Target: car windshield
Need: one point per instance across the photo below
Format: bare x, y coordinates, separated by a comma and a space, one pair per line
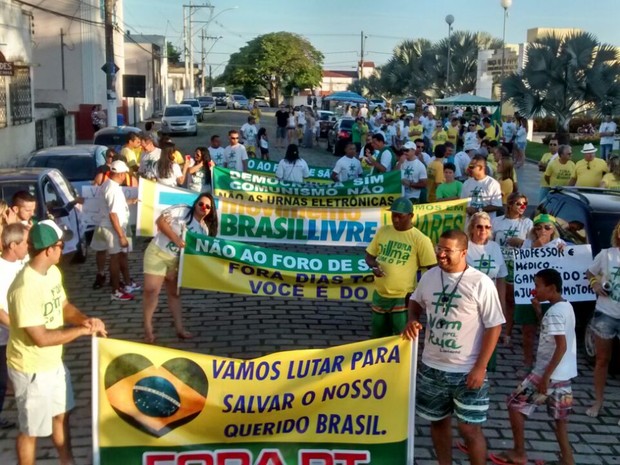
206, 99
239, 97
346, 123
75, 168
178, 111
113, 140
325, 116
193, 103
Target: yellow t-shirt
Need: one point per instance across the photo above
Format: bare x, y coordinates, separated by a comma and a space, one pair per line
435, 178
507, 186
439, 137
610, 181
590, 177
400, 254
132, 156
490, 133
560, 174
415, 131
545, 161
453, 134
178, 158
34, 300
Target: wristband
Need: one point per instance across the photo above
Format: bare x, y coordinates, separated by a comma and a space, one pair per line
593, 280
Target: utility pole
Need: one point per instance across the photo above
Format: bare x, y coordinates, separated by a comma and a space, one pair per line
109, 58
191, 51
362, 56
186, 56
202, 61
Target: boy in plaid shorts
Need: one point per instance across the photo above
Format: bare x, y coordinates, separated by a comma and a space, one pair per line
549, 383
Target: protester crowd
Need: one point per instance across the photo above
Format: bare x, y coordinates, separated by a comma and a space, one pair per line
466, 291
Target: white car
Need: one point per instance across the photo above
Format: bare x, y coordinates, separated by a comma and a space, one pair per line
195, 104
179, 119
407, 104
377, 103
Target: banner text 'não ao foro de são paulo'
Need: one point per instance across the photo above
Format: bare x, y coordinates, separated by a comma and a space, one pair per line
345, 404
269, 167
215, 264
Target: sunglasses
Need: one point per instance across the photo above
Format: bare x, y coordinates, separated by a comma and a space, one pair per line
520, 204
483, 226
204, 205
546, 227
234, 138
553, 145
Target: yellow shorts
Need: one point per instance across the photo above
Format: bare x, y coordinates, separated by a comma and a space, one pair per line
159, 263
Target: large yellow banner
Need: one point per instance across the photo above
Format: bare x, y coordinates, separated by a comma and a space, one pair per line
153, 405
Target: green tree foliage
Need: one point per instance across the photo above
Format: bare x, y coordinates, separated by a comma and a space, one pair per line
565, 77
174, 55
275, 61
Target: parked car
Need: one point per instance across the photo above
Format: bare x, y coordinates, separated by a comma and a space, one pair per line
77, 163
339, 135
207, 104
179, 119
220, 96
195, 104
377, 103
56, 199
262, 101
586, 216
114, 137
407, 104
237, 102
326, 121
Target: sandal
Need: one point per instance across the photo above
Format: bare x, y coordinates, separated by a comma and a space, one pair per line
503, 458
182, 335
462, 447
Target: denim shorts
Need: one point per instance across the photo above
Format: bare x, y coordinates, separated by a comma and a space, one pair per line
605, 326
558, 398
440, 394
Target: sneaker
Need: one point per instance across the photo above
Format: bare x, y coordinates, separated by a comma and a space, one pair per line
99, 281
121, 295
133, 287
6, 424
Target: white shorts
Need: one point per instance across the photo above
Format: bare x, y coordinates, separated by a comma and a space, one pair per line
40, 397
106, 239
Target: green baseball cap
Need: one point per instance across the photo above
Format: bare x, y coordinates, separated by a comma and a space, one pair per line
46, 233
544, 218
402, 205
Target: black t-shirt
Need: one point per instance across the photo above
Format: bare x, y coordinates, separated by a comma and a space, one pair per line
281, 118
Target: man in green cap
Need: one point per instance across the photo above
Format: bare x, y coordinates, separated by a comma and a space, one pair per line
38, 312
395, 254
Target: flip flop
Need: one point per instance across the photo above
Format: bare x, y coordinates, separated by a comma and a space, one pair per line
503, 459
462, 447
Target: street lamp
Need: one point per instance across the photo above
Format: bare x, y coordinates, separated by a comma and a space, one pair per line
449, 20
505, 5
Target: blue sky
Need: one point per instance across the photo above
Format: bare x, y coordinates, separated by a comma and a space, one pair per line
334, 26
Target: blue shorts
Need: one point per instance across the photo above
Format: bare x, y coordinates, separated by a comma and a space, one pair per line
605, 326
280, 132
439, 394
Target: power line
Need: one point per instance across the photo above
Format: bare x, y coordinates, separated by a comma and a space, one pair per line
57, 13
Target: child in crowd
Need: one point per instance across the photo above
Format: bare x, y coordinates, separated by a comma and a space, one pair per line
450, 189
549, 383
263, 143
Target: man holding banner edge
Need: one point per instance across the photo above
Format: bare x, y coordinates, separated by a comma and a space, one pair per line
395, 254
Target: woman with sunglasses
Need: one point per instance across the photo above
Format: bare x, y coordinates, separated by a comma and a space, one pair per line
200, 170
543, 235
510, 232
605, 324
161, 258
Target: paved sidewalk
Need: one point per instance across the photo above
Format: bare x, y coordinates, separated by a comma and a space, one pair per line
246, 327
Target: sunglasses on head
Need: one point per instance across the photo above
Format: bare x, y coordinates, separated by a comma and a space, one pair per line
483, 226
205, 205
546, 227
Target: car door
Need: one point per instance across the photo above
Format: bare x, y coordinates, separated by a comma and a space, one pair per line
60, 204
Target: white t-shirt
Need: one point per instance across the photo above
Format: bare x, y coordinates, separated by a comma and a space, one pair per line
506, 228
414, 171
461, 161
176, 216
457, 316
509, 130
427, 158
115, 200
558, 320
263, 143
295, 172
291, 121
607, 127
171, 179
386, 158
197, 180
217, 155
348, 168
234, 157
148, 163
470, 141
606, 266
521, 135
249, 133
483, 193
487, 258
8, 271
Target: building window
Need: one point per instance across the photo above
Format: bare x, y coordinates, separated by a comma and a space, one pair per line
3, 112
21, 96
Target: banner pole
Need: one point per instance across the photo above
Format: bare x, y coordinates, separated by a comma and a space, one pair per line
413, 372
181, 256
95, 398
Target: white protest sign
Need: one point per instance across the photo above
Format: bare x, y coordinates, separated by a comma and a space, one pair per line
94, 206
572, 262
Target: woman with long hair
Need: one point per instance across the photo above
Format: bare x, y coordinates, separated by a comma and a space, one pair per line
263, 143
167, 170
612, 179
505, 176
292, 167
510, 232
605, 323
161, 258
200, 171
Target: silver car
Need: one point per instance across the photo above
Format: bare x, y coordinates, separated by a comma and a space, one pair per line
179, 119
195, 104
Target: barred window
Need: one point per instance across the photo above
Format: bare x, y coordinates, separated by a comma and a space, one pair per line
3, 108
20, 95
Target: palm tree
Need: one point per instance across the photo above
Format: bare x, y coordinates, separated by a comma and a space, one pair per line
406, 72
565, 77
